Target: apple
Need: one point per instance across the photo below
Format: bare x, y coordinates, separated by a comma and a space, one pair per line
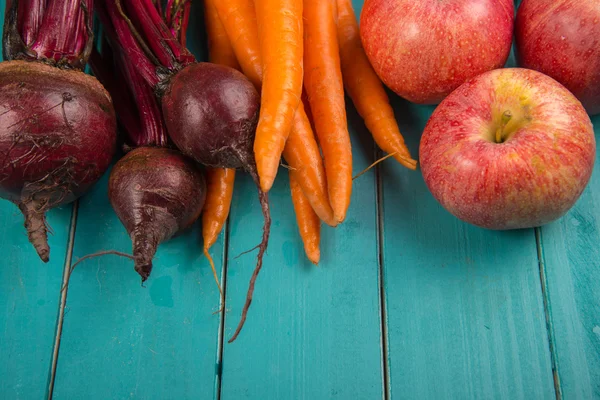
424, 49
511, 148
561, 38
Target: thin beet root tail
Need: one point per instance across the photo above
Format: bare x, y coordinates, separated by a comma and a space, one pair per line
144, 248
262, 248
37, 231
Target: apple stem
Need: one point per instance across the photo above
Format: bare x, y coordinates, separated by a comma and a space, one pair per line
506, 116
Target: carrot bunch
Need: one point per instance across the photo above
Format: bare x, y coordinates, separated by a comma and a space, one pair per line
300, 54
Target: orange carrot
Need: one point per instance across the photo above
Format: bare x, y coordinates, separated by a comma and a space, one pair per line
302, 154
280, 37
216, 207
219, 180
309, 224
366, 90
301, 150
239, 20
325, 89
220, 50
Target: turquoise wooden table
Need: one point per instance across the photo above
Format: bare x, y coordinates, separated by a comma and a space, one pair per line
408, 302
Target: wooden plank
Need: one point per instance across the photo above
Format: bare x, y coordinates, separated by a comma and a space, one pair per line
29, 294
572, 272
464, 305
312, 332
120, 340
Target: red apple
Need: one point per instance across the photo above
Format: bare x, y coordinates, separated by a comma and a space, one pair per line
424, 49
561, 38
511, 148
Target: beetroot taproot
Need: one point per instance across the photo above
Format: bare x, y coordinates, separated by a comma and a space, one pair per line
156, 193
57, 138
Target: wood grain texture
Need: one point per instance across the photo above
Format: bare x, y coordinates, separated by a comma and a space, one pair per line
571, 253
121, 340
312, 332
464, 305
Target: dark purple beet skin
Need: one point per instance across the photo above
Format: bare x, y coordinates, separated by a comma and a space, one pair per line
57, 138
211, 112
156, 193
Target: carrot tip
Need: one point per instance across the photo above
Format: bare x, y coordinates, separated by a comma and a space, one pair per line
314, 256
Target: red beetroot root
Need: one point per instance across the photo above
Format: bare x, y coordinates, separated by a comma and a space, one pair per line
156, 193
57, 138
211, 113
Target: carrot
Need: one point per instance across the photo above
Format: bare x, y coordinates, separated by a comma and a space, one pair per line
302, 154
220, 50
325, 89
219, 180
301, 150
280, 37
366, 90
239, 20
219, 183
309, 224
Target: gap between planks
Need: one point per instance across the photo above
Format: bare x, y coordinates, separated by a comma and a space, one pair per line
548, 313
381, 276
63, 299
221, 339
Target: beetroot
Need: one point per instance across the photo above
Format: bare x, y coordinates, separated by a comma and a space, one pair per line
57, 124
210, 111
156, 193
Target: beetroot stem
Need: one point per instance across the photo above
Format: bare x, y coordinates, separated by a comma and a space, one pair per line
122, 36
63, 34
112, 79
153, 37
30, 16
182, 55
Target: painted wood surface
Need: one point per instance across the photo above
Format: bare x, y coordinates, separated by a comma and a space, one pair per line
153, 342
464, 311
465, 316
571, 266
29, 297
312, 332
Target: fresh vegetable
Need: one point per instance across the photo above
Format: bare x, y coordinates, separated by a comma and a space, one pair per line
217, 205
325, 90
156, 193
220, 50
210, 110
366, 90
309, 224
220, 180
280, 35
57, 124
301, 150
